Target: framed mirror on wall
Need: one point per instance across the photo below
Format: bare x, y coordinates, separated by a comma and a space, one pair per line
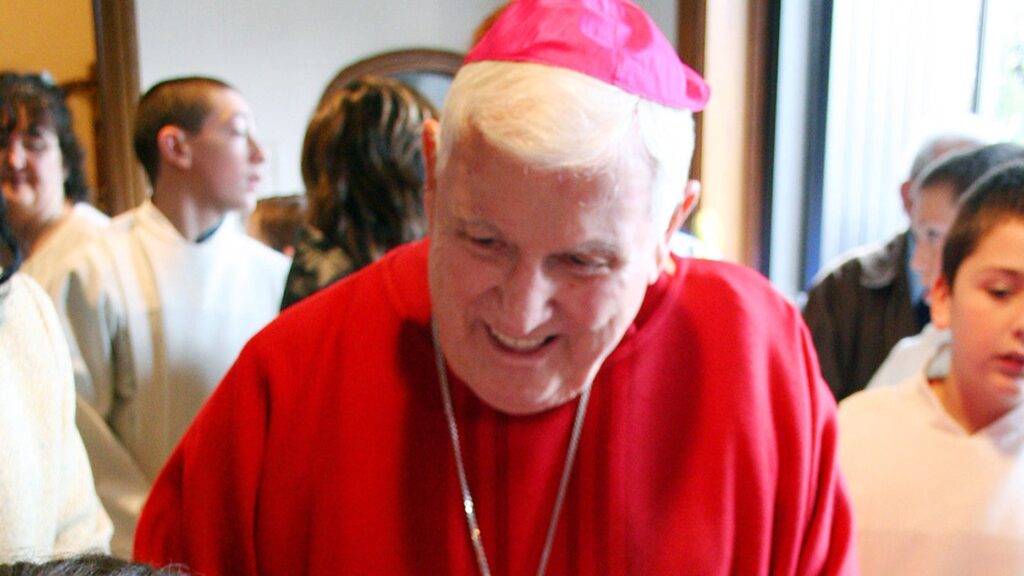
430, 71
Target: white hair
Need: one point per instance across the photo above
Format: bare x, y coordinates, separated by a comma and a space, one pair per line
555, 118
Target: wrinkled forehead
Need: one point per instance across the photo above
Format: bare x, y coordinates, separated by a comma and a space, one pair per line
480, 166
471, 147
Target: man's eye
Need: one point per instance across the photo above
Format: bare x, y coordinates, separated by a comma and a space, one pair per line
581, 261
586, 263
483, 241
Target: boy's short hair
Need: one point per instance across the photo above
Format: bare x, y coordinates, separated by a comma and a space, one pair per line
182, 102
962, 169
997, 197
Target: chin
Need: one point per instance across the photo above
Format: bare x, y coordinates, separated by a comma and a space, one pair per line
523, 400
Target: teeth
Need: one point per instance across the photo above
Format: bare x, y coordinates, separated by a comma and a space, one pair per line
517, 343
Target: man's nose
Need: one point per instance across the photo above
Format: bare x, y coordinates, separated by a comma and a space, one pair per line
256, 152
918, 258
527, 298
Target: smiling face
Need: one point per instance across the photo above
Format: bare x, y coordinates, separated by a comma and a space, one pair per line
536, 275
931, 216
985, 310
226, 158
32, 176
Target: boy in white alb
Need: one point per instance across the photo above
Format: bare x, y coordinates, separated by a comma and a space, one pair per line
935, 467
159, 307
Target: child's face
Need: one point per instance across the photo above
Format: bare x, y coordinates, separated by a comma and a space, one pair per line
930, 219
985, 310
226, 156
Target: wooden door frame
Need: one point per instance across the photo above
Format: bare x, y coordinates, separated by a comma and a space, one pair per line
759, 117
123, 185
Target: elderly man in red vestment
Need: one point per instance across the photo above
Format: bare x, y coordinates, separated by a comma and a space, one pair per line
541, 386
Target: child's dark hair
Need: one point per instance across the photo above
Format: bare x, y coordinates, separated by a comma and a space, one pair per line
995, 198
962, 169
40, 102
182, 102
89, 565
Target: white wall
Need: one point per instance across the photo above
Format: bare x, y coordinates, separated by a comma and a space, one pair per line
282, 54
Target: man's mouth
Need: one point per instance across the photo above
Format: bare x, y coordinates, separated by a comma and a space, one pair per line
519, 344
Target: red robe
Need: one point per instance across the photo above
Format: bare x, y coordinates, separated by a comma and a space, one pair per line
709, 447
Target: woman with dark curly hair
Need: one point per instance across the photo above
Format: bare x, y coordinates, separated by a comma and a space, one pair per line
362, 164
41, 173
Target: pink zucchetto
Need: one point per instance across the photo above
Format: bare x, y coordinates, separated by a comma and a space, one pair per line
614, 41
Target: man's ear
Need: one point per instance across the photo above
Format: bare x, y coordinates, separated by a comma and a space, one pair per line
172, 142
430, 133
940, 298
691, 194
907, 196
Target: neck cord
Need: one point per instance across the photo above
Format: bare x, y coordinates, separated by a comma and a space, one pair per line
467, 497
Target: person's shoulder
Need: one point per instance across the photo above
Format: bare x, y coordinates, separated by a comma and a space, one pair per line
93, 261
910, 355
263, 253
729, 284
867, 409
22, 290
89, 215
23, 297
394, 287
875, 263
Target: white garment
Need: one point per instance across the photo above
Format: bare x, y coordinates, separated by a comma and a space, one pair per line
928, 497
926, 350
48, 505
157, 321
120, 484
45, 264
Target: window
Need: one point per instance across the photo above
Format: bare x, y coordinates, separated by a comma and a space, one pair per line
891, 74
1001, 65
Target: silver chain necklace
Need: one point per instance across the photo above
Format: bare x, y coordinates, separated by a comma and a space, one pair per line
467, 496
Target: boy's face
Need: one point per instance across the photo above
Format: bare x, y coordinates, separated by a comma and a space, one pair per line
226, 158
930, 219
985, 310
